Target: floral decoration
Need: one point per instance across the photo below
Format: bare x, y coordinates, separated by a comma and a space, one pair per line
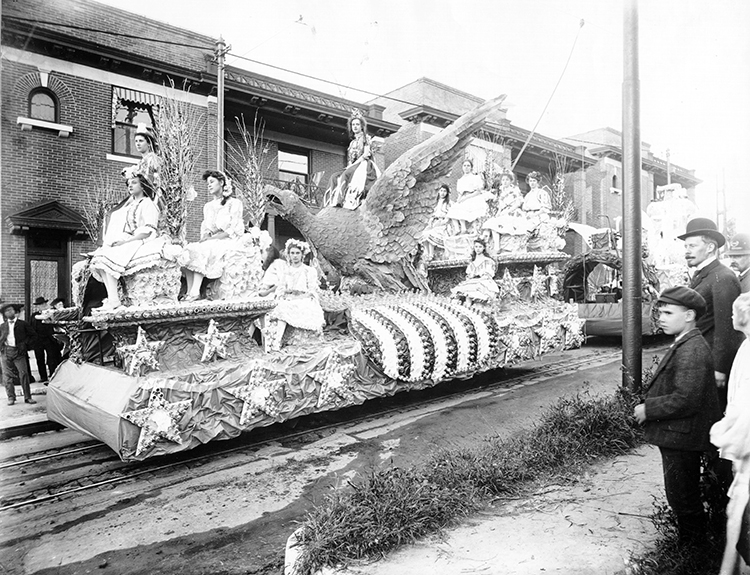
436, 368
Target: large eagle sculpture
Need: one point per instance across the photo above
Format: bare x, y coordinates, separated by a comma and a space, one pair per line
378, 241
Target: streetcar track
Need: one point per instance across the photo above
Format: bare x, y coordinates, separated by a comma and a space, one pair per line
59, 490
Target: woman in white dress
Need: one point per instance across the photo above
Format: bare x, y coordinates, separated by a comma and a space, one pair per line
537, 199
221, 232
509, 217
131, 242
732, 436
471, 203
295, 287
440, 226
479, 284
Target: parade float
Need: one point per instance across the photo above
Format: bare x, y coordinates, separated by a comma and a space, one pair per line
158, 374
593, 279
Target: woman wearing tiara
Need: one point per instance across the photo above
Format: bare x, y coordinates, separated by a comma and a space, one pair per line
349, 188
295, 287
221, 232
131, 242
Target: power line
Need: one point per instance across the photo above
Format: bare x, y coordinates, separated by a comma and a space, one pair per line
107, 32
533, 131
325, 81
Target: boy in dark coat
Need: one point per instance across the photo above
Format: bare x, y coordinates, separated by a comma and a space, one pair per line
681, 405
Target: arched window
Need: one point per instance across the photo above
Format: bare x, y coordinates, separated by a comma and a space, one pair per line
43, 105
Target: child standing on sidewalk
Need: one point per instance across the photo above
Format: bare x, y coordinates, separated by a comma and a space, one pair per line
681, 405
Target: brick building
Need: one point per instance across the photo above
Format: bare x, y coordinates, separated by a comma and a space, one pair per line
598, 192
427, 106
74, 86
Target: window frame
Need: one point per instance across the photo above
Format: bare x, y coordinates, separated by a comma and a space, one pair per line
305, 176
55, 103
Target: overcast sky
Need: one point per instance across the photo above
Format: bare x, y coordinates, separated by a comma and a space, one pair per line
694, 63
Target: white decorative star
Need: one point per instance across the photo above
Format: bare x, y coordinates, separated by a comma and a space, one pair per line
538, 284
335, 379
508, 287
257, 394
157, 420
214, 342
140, 354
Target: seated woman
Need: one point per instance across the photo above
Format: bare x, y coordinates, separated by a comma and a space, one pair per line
349, 188
295, 287
221, 231
509, 217
440, 225
537, 198
480, 273
471, 203
130, 241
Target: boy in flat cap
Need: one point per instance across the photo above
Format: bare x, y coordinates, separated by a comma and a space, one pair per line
681, 405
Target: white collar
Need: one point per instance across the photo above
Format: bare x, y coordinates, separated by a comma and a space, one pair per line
704, 263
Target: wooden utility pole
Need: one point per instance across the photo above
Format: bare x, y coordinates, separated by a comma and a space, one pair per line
221, 50
631, 202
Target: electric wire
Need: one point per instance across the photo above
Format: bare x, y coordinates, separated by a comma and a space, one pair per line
533, 131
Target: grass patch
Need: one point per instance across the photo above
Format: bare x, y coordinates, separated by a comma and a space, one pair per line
397, 506
668, 557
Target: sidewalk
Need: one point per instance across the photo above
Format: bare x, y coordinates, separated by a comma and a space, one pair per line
21, 413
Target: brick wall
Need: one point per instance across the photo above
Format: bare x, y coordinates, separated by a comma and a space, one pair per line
40, 166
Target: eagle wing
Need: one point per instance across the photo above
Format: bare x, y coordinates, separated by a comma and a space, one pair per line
400, 203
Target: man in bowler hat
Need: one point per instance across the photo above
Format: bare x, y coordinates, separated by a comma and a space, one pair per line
16, 336
738, 252
719, 286
680, 406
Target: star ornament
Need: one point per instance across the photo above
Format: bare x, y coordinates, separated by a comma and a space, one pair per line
257, 394
158, 420
142, 354
214, 342
538, 284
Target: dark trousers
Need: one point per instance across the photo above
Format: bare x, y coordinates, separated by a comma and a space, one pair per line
682, 475
11, 356
47, 356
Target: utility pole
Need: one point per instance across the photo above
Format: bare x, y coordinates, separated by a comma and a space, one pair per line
631, 202
221, 51
669, 169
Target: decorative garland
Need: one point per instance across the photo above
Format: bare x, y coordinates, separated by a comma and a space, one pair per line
417, 337
448, 336
386, 343
401, 341
414, 341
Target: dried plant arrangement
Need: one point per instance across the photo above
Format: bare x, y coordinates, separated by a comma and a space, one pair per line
560, 201
107, 193
248, 163
179, 127
494, 158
